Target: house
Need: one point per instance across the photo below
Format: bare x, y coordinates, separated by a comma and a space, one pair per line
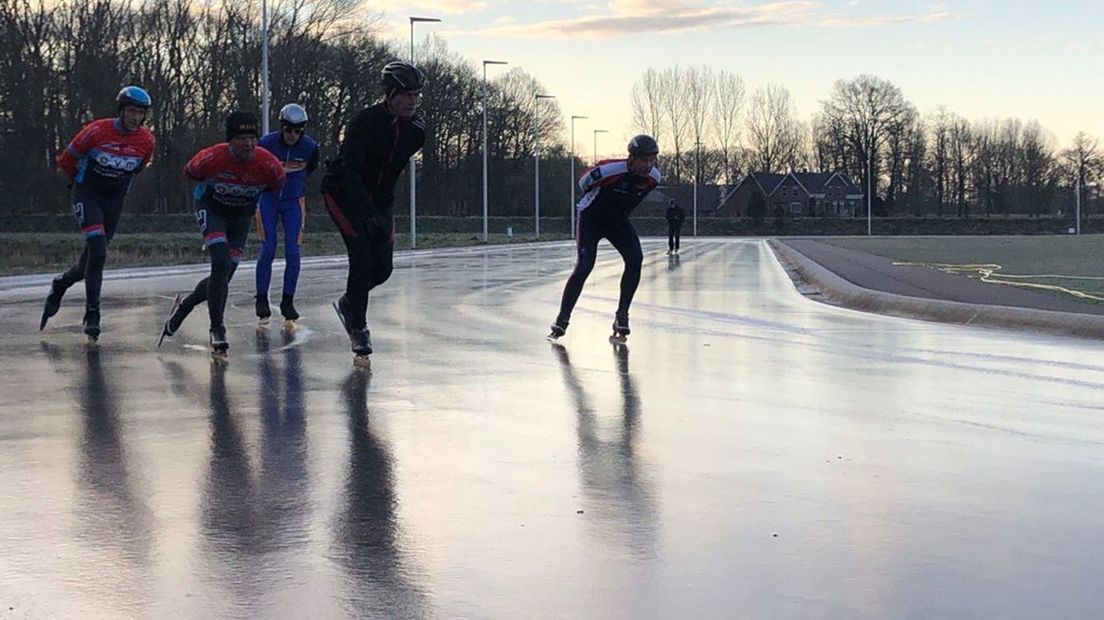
738, 199
809, 194
655, 203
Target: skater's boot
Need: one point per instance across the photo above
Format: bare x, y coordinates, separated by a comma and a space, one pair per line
361, 340
287, 308
172, 323
53, 302
558, 329
92, 324
620, 327
260, 303
341, 307
219, 346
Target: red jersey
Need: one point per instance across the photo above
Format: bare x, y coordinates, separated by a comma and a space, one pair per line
229, 184
104, 157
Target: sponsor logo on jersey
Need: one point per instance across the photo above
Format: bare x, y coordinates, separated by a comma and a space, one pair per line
115, 163
235, 190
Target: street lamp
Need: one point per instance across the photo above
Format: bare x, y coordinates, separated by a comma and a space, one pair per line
697, 172
573, 180
596, 132
485, 211
869, 193
536, 159
265, 98
413, 162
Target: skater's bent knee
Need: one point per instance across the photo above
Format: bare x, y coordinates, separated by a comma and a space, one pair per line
383, 275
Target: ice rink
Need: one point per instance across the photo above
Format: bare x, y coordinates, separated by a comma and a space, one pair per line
748, 454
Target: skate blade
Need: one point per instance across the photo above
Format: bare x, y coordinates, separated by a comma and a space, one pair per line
337, 311
291, 325
262, 323
93, 341
175, 307
618, 339
553, 338
362, 362
220, 357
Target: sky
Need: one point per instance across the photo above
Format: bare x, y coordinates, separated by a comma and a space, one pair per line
982, 59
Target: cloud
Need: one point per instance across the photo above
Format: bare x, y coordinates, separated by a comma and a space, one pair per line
875, 20
623, 17
634, 16
452, 7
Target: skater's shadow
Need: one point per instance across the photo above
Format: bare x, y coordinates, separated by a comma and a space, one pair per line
368, 534
233, 531
620, 495
674, 261
284, 488
113, 521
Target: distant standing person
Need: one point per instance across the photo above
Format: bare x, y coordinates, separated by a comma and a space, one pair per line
611, 190
298, 153
100, 163
359, 190
675, 217
230, 177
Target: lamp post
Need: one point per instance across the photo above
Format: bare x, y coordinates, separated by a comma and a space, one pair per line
596, 132
413, 162
573, 180
485, 211
697, 173
1078, 227
264, 67
869, 193
536, 159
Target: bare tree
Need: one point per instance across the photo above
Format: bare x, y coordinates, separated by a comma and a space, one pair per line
700, 93
1084, 162
673, 93
960, 138
939, 126
866, 108
728, 104
1037, 163
774, 134
647, 106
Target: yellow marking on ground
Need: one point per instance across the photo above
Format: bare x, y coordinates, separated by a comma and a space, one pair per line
988, 272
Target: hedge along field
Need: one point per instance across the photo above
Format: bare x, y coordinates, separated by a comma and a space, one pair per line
46, 243
30, 253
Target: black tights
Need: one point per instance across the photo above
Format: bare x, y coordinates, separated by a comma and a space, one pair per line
213, 289
370, 243
622, 235
89, 268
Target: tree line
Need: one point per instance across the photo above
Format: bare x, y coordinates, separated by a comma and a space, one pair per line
937, 163
61, 64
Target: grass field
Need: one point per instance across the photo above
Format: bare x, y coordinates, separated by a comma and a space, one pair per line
1068, 265
27, 253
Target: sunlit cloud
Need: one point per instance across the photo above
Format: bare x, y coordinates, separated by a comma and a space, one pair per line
451, 7
623, 17
888, 19
633, 16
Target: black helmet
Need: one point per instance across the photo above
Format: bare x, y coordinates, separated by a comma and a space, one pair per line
643, 145
401, 75
135, 96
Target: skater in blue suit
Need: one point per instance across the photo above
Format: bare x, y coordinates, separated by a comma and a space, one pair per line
299, 153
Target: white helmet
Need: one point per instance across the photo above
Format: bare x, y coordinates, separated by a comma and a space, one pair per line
293, 115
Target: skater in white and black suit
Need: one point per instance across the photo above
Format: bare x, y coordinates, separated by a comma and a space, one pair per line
611, 190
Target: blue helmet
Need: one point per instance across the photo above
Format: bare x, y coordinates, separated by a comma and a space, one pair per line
135, 96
